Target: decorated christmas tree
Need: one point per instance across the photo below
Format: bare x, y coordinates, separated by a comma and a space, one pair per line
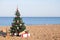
17, 25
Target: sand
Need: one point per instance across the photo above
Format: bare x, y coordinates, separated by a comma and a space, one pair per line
38, 32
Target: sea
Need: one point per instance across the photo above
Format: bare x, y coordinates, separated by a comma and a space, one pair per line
7, 21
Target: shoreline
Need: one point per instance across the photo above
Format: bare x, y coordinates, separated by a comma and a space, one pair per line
32, 25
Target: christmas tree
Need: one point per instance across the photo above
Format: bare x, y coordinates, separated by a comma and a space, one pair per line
17, 25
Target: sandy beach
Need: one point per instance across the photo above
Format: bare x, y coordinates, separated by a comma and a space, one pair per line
38, 32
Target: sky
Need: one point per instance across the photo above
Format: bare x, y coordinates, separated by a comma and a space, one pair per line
30, 8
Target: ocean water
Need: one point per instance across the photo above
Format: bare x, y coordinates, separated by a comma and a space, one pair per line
6, 21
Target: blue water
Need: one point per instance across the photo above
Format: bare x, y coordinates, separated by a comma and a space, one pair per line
6, 21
